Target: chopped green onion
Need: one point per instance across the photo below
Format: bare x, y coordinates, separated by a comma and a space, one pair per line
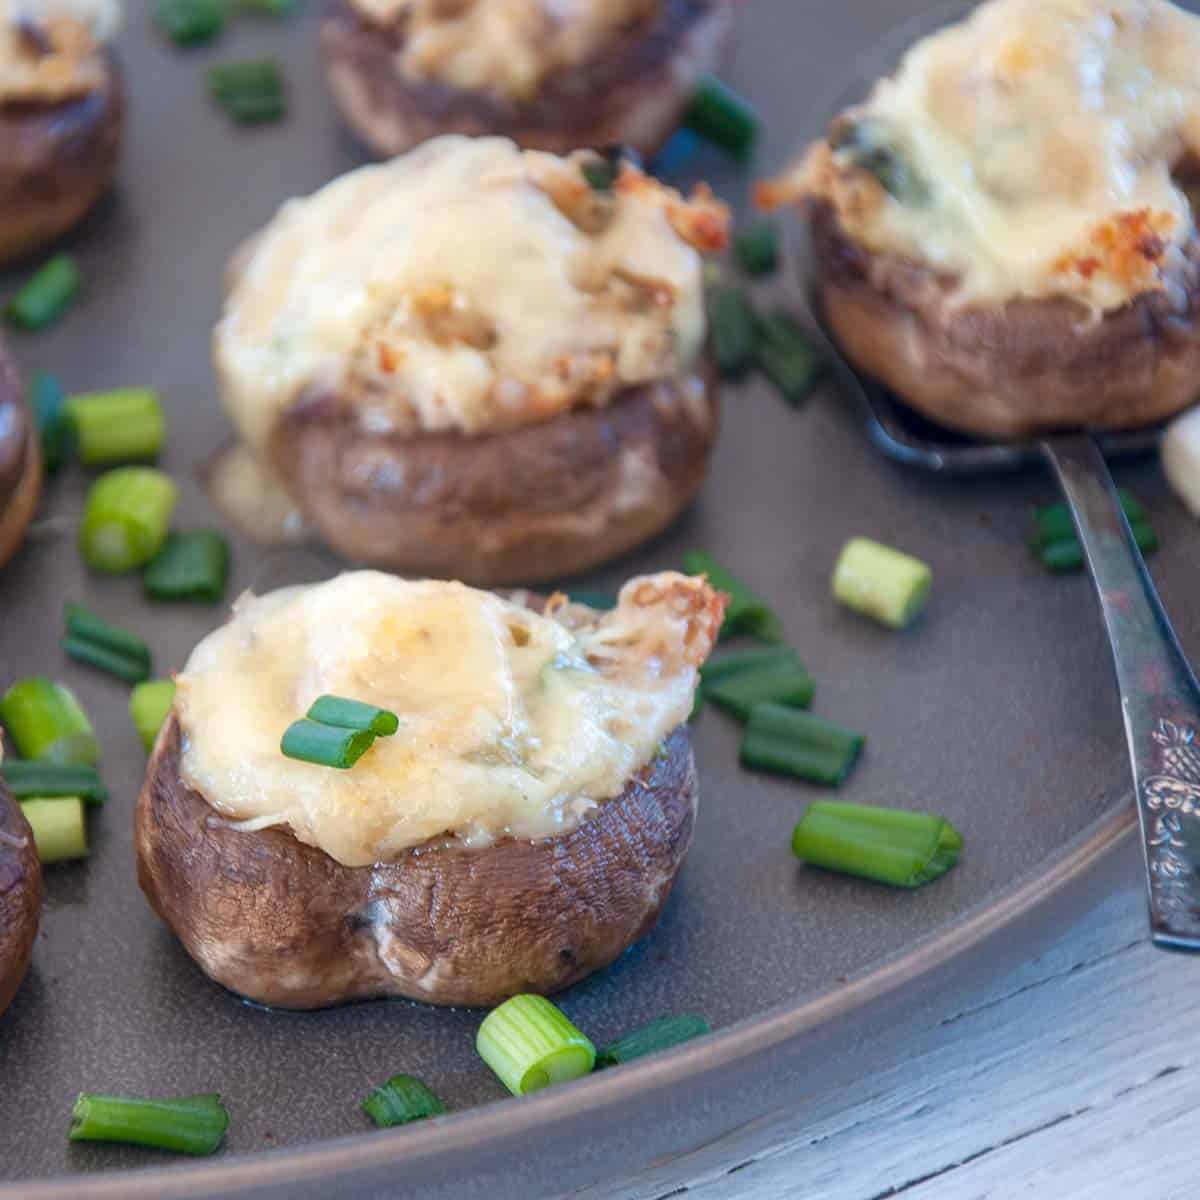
190, 22
757, 248
59, 830
187, 1125
530, 1045
739, 693
731, 323
1052, 523
906, 849
789, 741
650, 1039
48, 724
747, 613
125, 425
401, 1100
1067, 554
31, 780
47, 402
353, 714
786, 356
881, 582
251, 92
325, 745
719, 115
190, 566
125, 518
114, 662
747, 660
125, 654
47, 295
697, 705
600, 174
601, 601
149, 704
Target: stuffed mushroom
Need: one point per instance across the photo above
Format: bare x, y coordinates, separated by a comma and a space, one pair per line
20, 460
61, 115
522, 827
20, 896
478, 362
551, 75
1003, 231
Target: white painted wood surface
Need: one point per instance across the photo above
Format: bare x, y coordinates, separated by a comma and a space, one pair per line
1075, 1076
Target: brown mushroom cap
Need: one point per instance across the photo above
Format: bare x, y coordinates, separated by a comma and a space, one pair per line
20, 896
284, 924
56, 161
1012, 370
530, 504
20, 459
633, 94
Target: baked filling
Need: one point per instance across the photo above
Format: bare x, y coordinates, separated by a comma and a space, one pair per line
51, 50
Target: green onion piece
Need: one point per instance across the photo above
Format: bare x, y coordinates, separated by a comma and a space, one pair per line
530, 1044
190, 22
251, 92
48, 724
187, 1125
125, 425
190, 566
789, 741
601, 601
906, 849
31, 780
47, 403
731, 324
747, 613
757, 248
59, 830
650, 1039
125, 518
1052, 523
149, 704
124, 667
881, 583
255, 109
325, 745
739, 693
402, 1099
786, 356
747, 660
600, 174
47, 295
697, 705
719, 115
1067, 554
353, 714
85, 624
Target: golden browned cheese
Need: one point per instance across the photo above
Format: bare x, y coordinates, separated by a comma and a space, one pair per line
502, 46
50, 50
1034, 150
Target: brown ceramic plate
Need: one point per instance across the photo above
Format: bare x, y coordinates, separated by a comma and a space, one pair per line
997, 710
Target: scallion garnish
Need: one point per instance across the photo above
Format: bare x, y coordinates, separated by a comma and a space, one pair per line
1056, 546
650, 1039
353, 714
905, 849
719, 115
783, 683
1067, 555
881, 582
59, 828
113, 662
600, 173
251, 92
786, 356
190, 566
747, 612
731, 329
124, 425
187, 1125
747, 660
47, 295
125, 518
601, 601
149, 704
93, 640
190, 22
789, 741
402, 1099
757, 248
325, 745
30, 780
530, 1045
47, 723
49, 413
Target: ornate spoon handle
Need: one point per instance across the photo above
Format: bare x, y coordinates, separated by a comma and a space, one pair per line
1160, 699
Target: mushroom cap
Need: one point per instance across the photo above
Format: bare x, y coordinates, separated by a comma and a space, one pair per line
20, 459
20, 896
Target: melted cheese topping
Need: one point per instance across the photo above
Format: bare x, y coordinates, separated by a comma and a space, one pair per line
502, 46
511, 723
467, 285
1037, 143
50, 49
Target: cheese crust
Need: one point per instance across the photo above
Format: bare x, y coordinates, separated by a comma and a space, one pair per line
52, 50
